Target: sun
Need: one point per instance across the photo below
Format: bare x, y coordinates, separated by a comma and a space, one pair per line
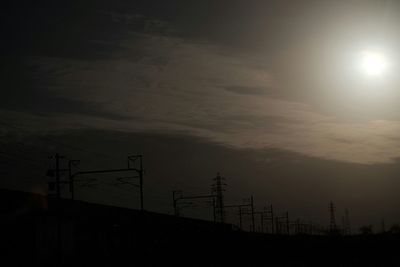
373, 63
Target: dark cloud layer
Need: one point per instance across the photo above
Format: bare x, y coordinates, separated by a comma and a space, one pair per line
24, 91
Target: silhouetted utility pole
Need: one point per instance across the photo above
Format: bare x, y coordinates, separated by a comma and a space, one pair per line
261, 213
269, 216
333, 226
218, 188
175, 199
58, 196
251, 205
135, 164
56, 173
279, 223
302, 227
383, 226
253, 225
240, 211
178, 196
132, 160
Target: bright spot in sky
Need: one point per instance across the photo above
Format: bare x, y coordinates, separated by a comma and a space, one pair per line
373, 63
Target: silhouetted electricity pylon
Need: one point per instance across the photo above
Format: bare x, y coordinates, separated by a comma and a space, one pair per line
269, 217
217, 188
216, 196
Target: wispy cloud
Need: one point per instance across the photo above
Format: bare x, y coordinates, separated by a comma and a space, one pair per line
157, 82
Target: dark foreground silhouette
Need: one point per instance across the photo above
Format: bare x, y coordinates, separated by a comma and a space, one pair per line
36, 231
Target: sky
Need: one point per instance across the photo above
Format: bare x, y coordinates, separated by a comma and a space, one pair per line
269, 93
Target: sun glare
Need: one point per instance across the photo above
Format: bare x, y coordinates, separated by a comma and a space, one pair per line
373, 63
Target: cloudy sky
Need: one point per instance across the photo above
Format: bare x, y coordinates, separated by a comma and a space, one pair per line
269, 93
